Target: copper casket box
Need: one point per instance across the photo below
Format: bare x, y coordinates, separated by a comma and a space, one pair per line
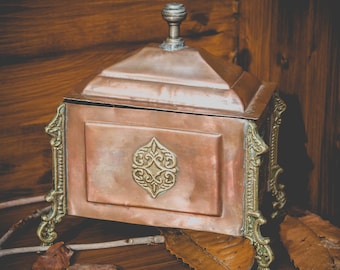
171, 136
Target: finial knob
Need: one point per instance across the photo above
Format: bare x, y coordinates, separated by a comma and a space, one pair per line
174, 14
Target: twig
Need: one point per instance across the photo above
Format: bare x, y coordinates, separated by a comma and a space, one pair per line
21, 223
148, 240
22, 201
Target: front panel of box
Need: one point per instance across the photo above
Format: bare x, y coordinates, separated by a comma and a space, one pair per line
156, 168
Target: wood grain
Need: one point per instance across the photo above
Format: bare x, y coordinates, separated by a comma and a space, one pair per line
35, 28
48, 48
30, 94
296, 44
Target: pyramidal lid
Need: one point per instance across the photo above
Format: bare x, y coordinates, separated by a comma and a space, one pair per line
174, 77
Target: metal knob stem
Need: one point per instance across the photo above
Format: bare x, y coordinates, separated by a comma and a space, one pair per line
173, 14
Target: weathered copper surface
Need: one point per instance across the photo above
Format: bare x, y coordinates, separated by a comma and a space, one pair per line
208, 194
190, 80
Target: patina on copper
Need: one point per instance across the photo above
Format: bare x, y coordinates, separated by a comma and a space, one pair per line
208, 193
169, 137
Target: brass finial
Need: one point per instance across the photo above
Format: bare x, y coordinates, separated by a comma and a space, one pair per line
173, 14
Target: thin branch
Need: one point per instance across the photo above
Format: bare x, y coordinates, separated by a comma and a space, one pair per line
148, 240
23, 201
21, 223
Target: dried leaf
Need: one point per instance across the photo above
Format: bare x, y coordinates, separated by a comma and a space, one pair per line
312, 243
323, 229
57, 257
209, 251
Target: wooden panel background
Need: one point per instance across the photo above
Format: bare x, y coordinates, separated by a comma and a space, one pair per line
49, 47
296, 43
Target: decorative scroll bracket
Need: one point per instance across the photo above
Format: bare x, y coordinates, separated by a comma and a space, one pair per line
154, 168
275, 170
255, 146
57, 196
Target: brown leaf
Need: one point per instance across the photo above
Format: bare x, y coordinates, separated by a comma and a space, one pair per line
328, 233
57, 257
323, 229
209, 251
307, 240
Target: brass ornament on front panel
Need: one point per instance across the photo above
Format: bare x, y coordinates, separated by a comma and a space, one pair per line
154, 168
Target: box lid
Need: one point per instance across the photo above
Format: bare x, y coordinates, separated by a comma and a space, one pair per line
174, 77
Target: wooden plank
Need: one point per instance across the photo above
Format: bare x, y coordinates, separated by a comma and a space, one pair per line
330, 155
32, 28
308, 38
31, 93
47, 48
297, 45
258, 23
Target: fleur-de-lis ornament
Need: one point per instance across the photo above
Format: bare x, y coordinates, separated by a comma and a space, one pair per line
154, 168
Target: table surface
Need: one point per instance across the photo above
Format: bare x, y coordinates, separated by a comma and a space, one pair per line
81, 230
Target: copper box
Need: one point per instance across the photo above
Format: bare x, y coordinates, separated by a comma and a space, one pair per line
173, 137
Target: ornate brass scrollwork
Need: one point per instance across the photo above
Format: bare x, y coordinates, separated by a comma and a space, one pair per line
255, 146
57, 195
274, 169
154, 168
